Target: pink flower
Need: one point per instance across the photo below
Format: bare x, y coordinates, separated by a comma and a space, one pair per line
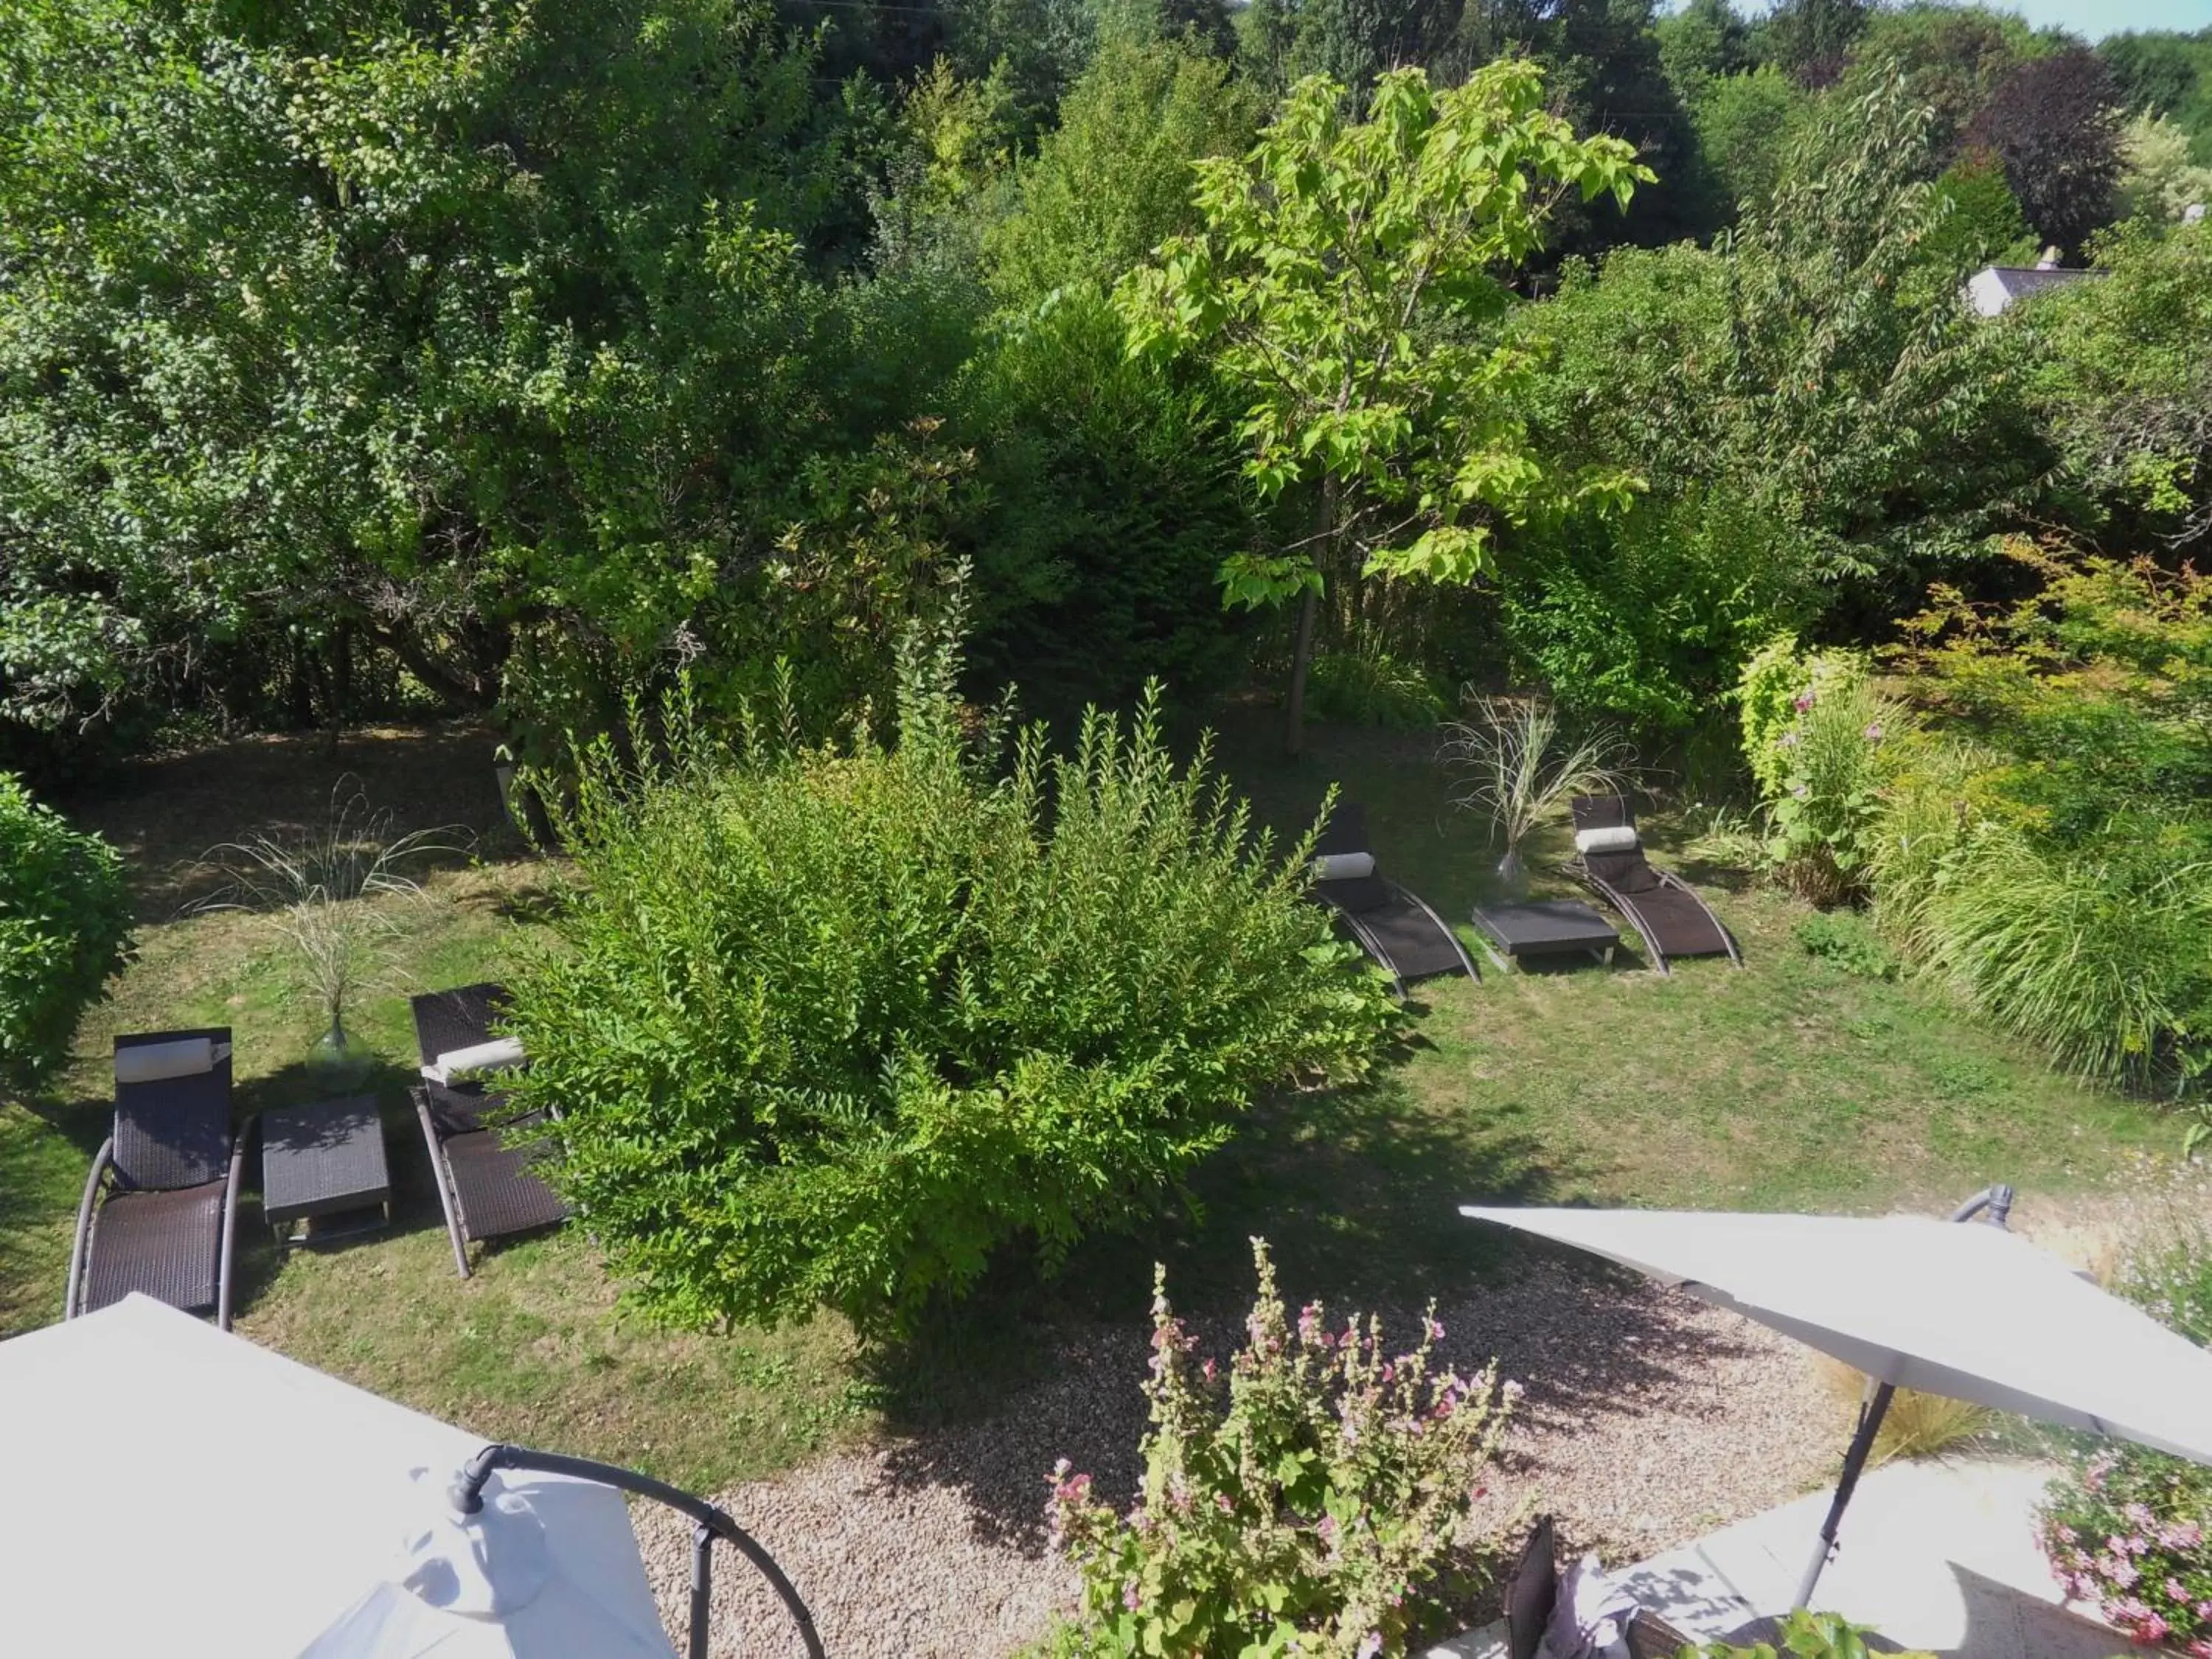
1804, 700
1221, 1502
1432, 1329
1129, 1597
1371, 1644
1873, 733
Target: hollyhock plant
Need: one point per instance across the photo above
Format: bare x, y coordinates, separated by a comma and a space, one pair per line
1310, 1497
2125, 1530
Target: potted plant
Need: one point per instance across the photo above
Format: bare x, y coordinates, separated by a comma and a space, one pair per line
1518, 770
324, 892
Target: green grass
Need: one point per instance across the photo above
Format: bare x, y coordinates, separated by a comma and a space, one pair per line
1791, 1085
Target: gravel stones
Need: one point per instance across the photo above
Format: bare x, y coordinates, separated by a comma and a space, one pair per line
1649, 1418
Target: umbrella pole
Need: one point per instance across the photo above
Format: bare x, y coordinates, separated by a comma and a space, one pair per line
1854, 1460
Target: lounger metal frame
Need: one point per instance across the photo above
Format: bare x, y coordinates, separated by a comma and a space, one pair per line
458, 1231
97, 1193
1374, 946
1626, 903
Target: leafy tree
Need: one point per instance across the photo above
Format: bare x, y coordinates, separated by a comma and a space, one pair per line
2125, 384
2053, 123
1811, 38
1744, 123
492, 345
1953, 58
2168, 74
1114, 180
1352, 41
1345, 283
2160, 182
1984, 225
1820, 420
1701, 42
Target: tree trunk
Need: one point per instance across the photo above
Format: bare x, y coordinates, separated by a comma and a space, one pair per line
1309, 609
1301, 661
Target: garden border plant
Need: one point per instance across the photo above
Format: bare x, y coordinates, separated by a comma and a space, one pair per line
1315, 1496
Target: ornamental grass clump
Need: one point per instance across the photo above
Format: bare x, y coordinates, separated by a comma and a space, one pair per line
836, 1024
1315, 1497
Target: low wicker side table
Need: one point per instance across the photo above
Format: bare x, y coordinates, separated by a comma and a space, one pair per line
323, 1170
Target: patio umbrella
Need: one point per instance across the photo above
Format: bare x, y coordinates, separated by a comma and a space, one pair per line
168, 1488
1974, 1313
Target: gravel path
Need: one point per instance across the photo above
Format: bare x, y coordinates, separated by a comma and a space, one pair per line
1649, 1418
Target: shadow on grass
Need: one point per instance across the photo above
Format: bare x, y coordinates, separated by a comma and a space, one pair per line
1358, 1192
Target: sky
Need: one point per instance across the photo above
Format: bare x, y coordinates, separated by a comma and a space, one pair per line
2096, 19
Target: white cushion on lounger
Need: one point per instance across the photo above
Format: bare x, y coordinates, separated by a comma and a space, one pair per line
156, 1062
1343, 866
483, 1057
1615, 838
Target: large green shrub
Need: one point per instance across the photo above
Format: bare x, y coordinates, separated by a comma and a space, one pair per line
64, 925
830, 1024
1309, 1497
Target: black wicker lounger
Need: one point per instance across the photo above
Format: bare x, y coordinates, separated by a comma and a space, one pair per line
1408, 938
1662, 907
487, 1186
160, 1213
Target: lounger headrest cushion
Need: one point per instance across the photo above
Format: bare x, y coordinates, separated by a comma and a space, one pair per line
1619, 838
1343, 866
483, 1057
155, 1062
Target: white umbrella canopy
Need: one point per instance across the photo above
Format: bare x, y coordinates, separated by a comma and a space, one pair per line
1971, 1312
168, 1488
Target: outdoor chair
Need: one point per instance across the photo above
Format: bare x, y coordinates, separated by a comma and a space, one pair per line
1405, 936
485, 1184
1664, 909
1532, 1590
159, 1212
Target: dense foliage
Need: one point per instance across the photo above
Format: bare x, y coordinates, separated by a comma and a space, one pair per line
2034, 829
1311, 1497
1342, 284
831, 1024
64, 925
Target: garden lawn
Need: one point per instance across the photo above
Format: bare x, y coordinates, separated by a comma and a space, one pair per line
1790, 1085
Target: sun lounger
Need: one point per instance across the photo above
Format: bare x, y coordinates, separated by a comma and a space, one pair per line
159, 1212
485, 1183
1408, 939
1662, 907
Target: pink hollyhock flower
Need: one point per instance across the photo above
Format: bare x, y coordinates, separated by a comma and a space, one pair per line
1129, 1597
